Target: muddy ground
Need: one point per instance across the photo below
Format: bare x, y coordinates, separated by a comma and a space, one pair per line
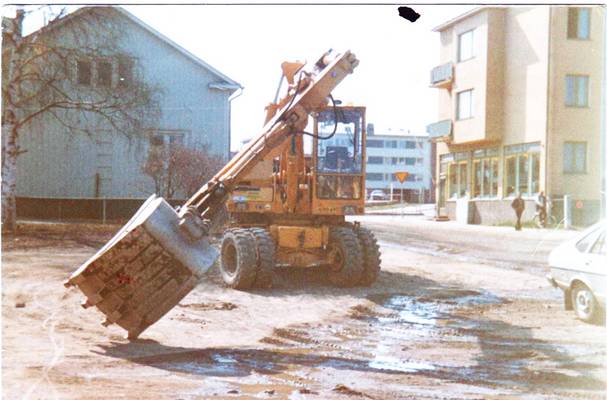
458, 312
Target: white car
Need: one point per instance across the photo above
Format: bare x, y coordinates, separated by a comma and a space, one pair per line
378, 195
579, 268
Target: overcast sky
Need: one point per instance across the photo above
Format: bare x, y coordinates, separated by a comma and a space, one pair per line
248, 44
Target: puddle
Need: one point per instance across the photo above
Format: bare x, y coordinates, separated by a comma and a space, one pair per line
399, 336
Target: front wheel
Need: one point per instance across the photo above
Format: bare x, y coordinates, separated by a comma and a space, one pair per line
346, 267
371, 257
238, 259
584, 303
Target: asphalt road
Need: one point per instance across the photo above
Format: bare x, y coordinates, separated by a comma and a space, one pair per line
505, 247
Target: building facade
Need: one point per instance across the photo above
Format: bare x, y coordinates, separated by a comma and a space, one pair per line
520, 110
391, 153
194, 104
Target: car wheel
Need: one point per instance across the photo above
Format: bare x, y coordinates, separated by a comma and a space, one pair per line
584, 303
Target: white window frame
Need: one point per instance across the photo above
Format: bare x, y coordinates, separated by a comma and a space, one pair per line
463, 55
573, 146
460, 115
575, 86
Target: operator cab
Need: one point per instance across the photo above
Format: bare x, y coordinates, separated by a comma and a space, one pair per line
339, 151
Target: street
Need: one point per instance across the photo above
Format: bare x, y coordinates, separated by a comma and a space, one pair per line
458, 312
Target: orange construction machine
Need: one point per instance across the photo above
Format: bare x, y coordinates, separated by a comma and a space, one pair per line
287, 194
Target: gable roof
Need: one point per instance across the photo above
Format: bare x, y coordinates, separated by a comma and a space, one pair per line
227, 84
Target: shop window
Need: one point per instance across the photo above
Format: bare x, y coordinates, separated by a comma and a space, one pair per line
458, 178
578, 23
485, 173
576, 90
574, 157
463, 178
522, 169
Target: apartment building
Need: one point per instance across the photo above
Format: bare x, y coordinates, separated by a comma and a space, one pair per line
396, 151
520, 110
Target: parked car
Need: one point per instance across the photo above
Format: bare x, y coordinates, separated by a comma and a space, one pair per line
579, 268
378, 195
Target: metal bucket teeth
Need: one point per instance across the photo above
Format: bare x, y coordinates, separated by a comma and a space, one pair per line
144, 270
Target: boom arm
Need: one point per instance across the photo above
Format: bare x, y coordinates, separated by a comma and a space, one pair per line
290, 115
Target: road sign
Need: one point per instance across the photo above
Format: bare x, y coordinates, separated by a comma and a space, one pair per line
401, 176
579, 204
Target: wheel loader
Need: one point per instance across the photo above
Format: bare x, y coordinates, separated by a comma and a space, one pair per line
287, 194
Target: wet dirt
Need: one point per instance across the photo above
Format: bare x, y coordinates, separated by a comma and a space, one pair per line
429, 328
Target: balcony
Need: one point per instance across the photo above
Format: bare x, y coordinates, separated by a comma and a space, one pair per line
440, 131
442, 76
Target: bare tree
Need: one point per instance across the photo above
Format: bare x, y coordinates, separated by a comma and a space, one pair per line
180, 170
42, 78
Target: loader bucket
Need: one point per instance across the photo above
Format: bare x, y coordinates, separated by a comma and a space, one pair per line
144, 270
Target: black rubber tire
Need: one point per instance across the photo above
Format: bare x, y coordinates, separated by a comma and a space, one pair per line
350, 268
265, 250
371, 257
238, 259
584, 303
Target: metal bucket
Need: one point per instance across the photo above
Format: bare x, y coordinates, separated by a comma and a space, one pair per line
145, 269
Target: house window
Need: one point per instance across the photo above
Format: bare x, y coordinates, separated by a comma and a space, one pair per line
578, 23
465, 46
375, 143
394, 160
375, 177
104, 73
464, 104
376, 160
411, 178
409, 161
391, 144
409, 144
125, 73
83, 72
485, 173
574, 157
576, 90
419, 161
167, 140
522, 169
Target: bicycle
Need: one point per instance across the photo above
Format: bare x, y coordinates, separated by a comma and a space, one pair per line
549, 221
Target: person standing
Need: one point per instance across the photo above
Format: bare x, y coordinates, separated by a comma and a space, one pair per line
541, 204
518, 204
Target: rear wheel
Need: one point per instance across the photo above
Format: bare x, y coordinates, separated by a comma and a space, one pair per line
347, 266
584, 303
238, 259
265, 250
371, 257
